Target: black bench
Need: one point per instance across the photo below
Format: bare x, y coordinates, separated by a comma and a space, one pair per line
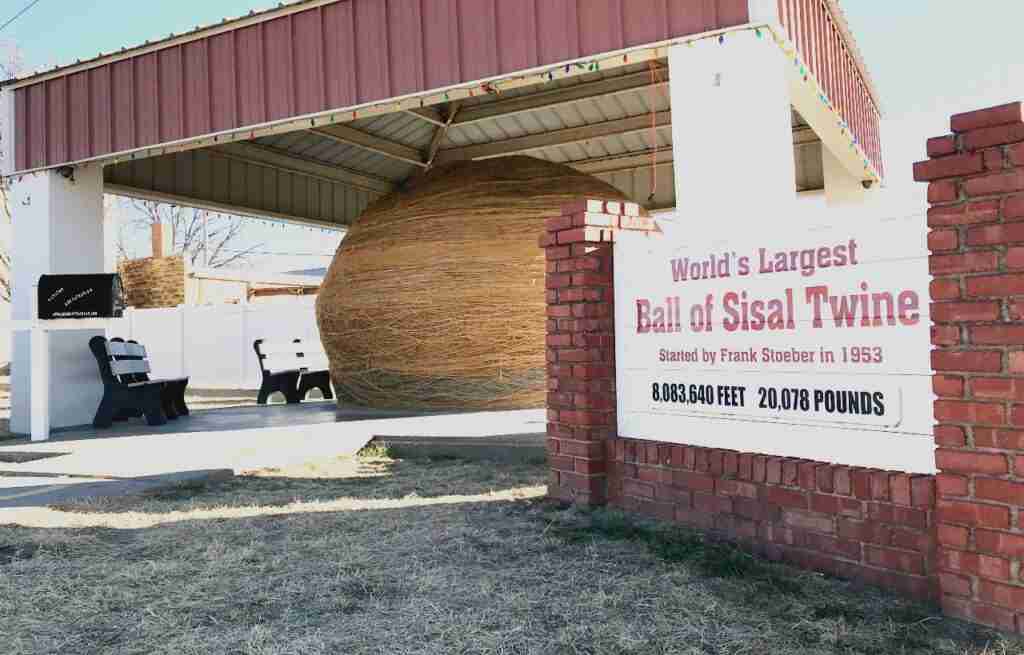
127, 388
293, 368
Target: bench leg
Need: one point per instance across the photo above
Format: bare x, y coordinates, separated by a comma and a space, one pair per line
179, 398
152, 407
290, 388
316, 380
105, 412
266, 388
167, 402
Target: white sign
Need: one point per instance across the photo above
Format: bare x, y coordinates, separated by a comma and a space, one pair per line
809, 343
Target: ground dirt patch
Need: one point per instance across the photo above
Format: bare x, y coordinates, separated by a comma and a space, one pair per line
374, 555
20, 457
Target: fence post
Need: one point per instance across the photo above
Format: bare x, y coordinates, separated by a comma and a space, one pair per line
244, 339
182, 357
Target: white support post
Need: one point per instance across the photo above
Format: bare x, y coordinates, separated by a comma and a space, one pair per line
58, 226
40, 362
732, 134
842, 189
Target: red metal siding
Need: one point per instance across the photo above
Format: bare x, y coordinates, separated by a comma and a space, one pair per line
339, 52
732, 12
100, 110
223, 73
333, 56
691, 17
78, 120
405, 33
37, 125
281, 72
477, 41
147, 100
826, 54
601, 27
647, 21
197, 88
517, 29
372, 53
169, 76
440, 30
21, 146
309, 62
57, 120
252, 84
558, 30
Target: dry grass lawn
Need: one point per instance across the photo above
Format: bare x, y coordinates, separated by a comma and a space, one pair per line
382, 556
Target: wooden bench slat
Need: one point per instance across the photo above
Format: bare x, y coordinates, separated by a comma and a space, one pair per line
279, 363
117, 348
278, 348
129, 366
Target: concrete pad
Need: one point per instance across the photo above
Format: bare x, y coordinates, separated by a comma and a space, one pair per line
38, 491
248, 438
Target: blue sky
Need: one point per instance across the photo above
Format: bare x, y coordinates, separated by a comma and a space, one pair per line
929, 58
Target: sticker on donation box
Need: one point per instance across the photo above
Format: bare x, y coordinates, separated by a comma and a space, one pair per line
818, 328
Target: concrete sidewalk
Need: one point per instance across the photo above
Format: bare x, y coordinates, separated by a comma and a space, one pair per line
236, 439
42, 491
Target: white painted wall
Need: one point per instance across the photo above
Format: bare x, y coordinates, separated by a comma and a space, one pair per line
212, 344
732, 133
58, 228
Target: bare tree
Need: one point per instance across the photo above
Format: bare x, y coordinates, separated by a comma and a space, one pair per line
10, 64
5, 255
201, 237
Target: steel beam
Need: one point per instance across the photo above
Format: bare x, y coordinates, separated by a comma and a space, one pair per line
285, 161
567, 95
555, 138
353, 137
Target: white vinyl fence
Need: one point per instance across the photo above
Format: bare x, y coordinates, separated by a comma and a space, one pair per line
212, 344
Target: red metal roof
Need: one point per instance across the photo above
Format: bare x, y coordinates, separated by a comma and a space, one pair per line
819, 30
322, 55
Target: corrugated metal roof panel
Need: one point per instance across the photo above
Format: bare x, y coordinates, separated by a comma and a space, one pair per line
322, 55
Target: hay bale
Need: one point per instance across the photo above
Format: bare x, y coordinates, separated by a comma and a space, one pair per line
435, 298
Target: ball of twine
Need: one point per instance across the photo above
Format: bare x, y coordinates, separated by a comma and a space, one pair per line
436, 297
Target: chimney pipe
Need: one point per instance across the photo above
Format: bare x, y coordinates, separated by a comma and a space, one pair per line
157, 235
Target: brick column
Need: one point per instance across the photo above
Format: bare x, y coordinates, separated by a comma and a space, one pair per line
581, 343
976, 192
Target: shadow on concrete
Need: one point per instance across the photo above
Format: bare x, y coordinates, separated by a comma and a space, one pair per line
363, 480
227, 419
38, 491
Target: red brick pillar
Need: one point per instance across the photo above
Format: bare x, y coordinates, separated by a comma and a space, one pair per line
581, 343
976, 192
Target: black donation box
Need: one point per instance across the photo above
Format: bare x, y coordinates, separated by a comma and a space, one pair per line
87, 295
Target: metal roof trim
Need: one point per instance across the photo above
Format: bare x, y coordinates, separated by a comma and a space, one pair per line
199, 32
839, 17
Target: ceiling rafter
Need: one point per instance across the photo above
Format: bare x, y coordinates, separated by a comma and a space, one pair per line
266, 156
628, 83
560, 137
353, 137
